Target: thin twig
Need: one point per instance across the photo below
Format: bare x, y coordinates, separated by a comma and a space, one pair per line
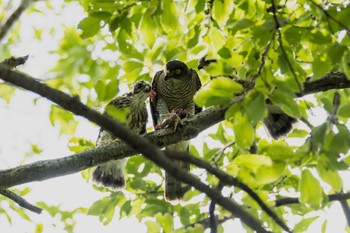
331, 17
284, 53
13, 18
263, 58
295, 200
212, 218
20, 201
206, 222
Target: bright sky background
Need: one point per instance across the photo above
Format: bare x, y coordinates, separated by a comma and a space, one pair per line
22, 124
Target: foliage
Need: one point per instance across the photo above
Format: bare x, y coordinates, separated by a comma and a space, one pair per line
278, 45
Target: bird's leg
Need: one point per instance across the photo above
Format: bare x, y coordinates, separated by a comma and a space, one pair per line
173, 118
152, 95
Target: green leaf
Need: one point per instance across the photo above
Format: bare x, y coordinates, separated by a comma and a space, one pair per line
117, 113
64, 119
221, 11
304, 224
36, 149
152, 227
277, 151
329, 175
219, 91
200, 6
39, 228
185, 214
224, 53
298, 133
6, 92
311, 192
216, 38
207, 152
321, 65
270, 174
169, 20
244, 131
166, 221
147, 29
340, 142
100, 88
255, 106
285, 100
90, 26
346, 63
344, 110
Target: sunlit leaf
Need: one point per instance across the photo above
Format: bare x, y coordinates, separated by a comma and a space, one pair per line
311, 192
147, 29
90, 26
221, 11
244, 131
169, 20
218, 91
304, 224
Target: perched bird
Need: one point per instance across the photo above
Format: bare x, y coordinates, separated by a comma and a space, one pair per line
171, 99
111, 174
277, 122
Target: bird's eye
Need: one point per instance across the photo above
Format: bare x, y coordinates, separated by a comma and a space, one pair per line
178, 71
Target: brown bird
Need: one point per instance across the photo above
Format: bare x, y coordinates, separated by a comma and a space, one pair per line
111, 174
171, 100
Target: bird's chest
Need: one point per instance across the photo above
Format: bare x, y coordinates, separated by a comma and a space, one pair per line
176, 94
137, 118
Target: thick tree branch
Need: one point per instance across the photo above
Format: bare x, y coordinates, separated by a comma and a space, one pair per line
13, 18
135, 141
20, 201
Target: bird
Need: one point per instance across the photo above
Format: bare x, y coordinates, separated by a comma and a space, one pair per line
278, 123
132, 104
171, 99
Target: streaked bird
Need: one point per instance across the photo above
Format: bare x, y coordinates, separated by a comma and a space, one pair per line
171, 100
132, 105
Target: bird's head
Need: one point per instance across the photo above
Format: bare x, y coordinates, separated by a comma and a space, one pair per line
142, 89
176, 69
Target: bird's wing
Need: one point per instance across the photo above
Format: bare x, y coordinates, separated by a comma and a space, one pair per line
120, 102
154, 102
198, 85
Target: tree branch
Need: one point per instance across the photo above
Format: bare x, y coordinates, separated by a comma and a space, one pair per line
135, 141
213, 222
13, 18
206, 222
345, 206
20, 201
295, 200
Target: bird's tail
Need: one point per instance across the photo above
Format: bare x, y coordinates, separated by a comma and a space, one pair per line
173, 188
278, 123
110, 174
